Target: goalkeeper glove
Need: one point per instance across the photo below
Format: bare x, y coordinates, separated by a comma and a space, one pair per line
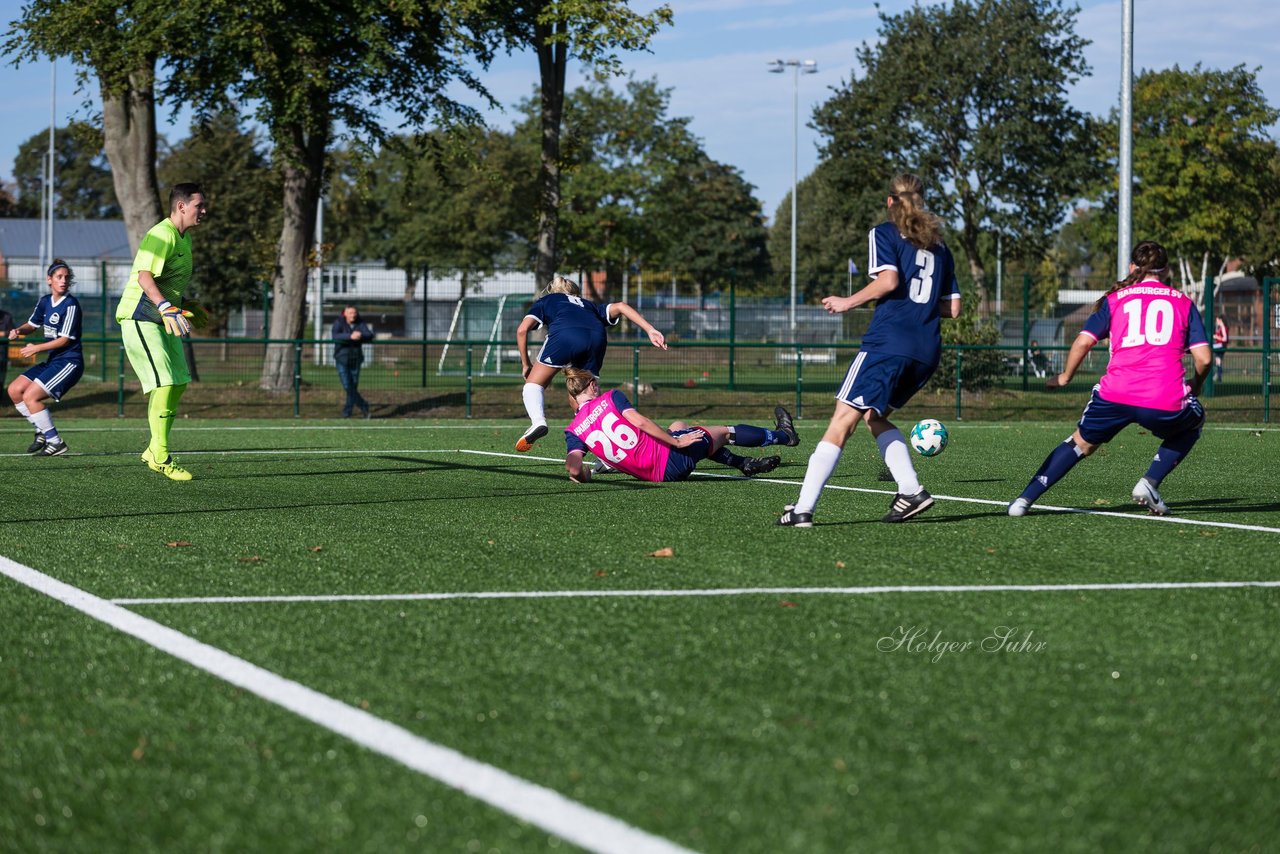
174, 319
199, 314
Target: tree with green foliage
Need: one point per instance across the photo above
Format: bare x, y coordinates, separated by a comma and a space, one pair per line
459, 200
316, 73
620, 148
831, 231
1203, 164
972, 96
120, 45
708, 224
589, 31
82, 181
235, 247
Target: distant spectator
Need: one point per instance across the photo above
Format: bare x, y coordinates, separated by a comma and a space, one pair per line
1221, 337
1038, 361
349, 335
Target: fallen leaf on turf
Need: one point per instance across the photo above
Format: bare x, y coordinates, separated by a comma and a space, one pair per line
141, 750
1101, 502
251, 559
990, 550
364, 704
315, 548
1208, 533
839, 564
663, 552
600, 573
786, 604
177, 544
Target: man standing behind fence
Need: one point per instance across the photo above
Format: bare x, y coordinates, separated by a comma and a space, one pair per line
349, 334
154, 320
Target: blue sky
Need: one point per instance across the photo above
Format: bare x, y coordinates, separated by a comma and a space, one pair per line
714, 61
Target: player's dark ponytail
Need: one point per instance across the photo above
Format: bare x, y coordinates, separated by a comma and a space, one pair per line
58, 262
1150, 261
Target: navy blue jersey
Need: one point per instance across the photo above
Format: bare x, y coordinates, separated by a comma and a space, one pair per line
907, 321
562, 313
57, 321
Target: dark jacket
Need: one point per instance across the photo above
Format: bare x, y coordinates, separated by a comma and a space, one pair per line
345, 350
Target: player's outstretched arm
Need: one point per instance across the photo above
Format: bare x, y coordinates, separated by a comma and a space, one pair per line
1075, 357
655, 337
1202, 358
881, 286
578, 473
522, 343
646, 426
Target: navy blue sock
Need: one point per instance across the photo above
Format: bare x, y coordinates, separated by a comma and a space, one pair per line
747, 436
727, 458
1055, 467
1170, 453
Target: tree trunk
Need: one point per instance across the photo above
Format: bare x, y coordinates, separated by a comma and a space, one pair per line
302, 164
129, 137
969, 242
552, 61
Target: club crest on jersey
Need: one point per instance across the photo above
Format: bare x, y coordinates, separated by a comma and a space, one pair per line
54, 318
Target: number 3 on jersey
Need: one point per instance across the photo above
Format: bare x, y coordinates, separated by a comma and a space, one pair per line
613, 432
922, 285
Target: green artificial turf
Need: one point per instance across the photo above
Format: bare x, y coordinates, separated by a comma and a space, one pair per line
780, 718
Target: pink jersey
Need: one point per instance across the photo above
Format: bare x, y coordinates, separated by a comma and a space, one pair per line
1151, 327
602, 429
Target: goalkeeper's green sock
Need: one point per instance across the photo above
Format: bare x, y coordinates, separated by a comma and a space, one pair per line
161, 409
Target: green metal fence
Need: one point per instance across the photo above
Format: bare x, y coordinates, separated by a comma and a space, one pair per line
730, 380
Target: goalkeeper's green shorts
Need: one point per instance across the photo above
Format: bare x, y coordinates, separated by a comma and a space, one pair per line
156, 356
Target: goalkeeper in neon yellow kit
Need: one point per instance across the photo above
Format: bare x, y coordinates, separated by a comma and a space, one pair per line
154, 319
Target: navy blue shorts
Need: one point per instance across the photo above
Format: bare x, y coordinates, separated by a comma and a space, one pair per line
574, 349
56, 376
1102, 419
883, 382
682, 461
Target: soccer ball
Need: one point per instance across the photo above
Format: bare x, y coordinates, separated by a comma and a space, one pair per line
929, 437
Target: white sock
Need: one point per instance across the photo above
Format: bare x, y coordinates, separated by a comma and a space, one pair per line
534, 396
822, 463
43, 422
893, 447
22, 410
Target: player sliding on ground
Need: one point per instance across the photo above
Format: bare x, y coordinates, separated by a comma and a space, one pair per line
608, 426
1151, 325
575, 339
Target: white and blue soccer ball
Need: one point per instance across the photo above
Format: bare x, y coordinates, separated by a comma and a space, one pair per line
929, 437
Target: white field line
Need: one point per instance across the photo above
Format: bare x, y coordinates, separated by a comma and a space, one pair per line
527, 801
726, 591
1142, 517
343, 452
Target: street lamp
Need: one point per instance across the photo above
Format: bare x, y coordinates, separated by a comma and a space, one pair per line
807, 66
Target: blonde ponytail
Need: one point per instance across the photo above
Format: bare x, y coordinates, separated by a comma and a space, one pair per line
916, 225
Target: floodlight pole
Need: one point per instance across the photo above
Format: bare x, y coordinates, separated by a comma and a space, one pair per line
47, 258
1124, 240
808, 66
